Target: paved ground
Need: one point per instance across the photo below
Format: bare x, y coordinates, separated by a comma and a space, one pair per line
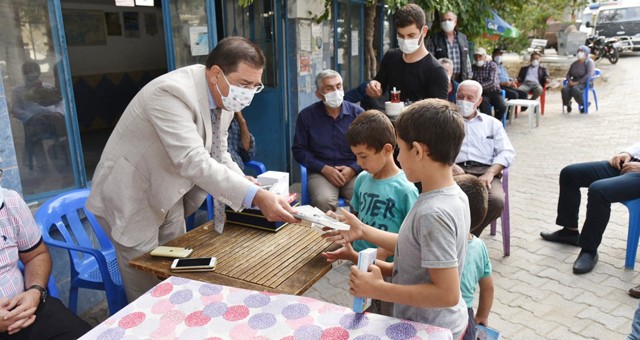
537, 296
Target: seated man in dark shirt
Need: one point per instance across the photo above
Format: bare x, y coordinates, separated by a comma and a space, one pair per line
486, 73
411, 69
320, 143
242, 144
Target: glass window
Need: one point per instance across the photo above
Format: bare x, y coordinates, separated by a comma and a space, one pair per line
33, 83
190, 34
350, 46
256, 23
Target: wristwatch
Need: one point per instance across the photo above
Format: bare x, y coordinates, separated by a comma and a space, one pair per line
43, 292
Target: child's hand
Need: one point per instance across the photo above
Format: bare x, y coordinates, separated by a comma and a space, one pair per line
481, 320
365, 284
344, 253
355, 231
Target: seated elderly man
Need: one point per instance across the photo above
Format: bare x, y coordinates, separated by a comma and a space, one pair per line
320, 143
486, 73
486, 149
577, 76
533, 77
453, 84
506, 82
28, 313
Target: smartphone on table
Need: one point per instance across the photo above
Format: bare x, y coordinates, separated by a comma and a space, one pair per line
173, 252
194, 264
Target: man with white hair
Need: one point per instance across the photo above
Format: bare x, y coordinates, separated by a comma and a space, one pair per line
486, 149
320, 143
452, 44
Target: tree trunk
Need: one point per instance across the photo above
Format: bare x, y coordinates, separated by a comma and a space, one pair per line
371, 62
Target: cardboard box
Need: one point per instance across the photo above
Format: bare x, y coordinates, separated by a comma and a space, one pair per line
255, 219
277, 179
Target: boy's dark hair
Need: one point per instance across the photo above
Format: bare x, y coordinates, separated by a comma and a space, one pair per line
409, 15
435, 123
231, 51
373, 129
478, 197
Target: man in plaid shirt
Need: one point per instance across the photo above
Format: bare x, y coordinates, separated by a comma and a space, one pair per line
486, 74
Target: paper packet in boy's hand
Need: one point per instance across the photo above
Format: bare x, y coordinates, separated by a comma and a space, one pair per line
311, 216
365, 258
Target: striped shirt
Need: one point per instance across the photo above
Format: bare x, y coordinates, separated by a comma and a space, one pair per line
19, 234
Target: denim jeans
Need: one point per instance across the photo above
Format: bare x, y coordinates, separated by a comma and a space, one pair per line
606, 185
635, 326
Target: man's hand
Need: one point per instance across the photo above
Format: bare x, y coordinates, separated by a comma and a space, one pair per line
457, 170
23, 311
572, 83
365, 284
620, 160
374, 89
355, 231
333, 175
274, 207
630, 167
344, 253
486, 179
347, 172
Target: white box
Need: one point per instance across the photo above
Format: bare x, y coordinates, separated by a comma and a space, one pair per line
365, 258
277, 179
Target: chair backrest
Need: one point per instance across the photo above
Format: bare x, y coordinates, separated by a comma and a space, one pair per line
66, 214
304, 191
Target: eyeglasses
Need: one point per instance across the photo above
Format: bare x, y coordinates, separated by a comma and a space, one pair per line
256, 89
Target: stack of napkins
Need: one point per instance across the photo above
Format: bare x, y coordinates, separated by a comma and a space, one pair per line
318, 220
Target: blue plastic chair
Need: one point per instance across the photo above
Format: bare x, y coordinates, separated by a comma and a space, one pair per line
588, 88
256, 166
304, 191
92, 267
52, 289
633, 233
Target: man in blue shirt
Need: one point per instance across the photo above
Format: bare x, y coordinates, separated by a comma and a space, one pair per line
320, 143
506, 82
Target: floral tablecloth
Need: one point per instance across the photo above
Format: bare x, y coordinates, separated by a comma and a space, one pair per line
179, 308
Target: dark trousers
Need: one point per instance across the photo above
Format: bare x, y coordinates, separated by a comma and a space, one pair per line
514, 93
470, 333
576, 92
53, 321
493, 98
606, 185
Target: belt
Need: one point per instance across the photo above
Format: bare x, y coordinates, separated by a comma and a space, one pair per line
471, 163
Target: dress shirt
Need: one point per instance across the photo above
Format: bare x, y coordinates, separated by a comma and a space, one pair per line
634, 150
321, 140
532, 74
503, 75
247, 201
487, 76
486, 142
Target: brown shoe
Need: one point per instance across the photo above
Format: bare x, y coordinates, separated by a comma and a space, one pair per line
635, 292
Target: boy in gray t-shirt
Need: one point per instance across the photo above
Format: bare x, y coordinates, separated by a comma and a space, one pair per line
430, 248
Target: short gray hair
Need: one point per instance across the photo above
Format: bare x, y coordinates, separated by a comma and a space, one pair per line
326, 74
472, 83
443, 61
455, 17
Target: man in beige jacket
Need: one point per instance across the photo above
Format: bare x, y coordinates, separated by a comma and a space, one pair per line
157, 166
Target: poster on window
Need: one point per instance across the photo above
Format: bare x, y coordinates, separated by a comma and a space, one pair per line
131, 24
199, 40
305, 36
355, 43
316, 40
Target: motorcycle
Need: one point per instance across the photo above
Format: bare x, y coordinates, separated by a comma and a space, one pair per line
601, 47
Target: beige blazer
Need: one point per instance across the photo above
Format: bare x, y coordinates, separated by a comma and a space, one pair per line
159, 152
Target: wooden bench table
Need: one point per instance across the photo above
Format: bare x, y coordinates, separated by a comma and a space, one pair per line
288, 261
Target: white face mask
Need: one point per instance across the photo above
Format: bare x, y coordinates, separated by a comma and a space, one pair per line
334, 99
581, 55
408, 46
535, 62
480, 63
238, 97
498, 59
448, 25
466, 108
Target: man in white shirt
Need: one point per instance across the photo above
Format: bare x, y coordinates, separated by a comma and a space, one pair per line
486, 149
533, 77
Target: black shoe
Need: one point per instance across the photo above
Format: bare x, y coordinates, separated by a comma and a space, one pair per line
561, 236
582, 107
635, 292
524, 108
569, 108
585, 263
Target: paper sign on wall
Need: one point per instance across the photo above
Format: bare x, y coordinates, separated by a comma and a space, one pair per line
199, 40
125, 3
144, 3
